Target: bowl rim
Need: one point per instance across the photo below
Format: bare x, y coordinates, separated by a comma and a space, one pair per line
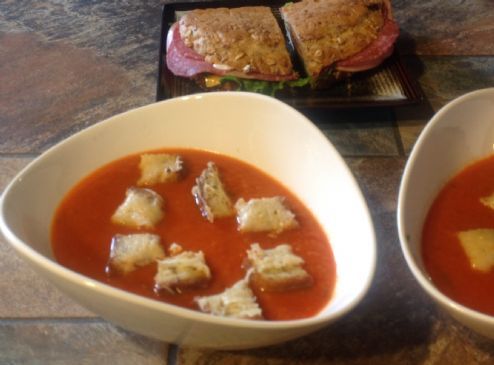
52, 266
418, 273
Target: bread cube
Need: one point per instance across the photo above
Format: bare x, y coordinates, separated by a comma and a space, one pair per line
186, 269
237, 301
159, 168
210, 194
142, 208
277, 269
478, 245
130, 251
488, 201
264, 215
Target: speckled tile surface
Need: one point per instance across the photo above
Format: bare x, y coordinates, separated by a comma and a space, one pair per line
367, 132
441, 343
69, 88
24, 293
443, 79
411, 121
73, 342
65, 65
446, 78
446, 27
10, 166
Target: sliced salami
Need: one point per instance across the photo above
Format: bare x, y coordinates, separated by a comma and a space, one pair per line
182, 60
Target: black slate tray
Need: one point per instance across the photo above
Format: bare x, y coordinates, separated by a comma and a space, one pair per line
387, 85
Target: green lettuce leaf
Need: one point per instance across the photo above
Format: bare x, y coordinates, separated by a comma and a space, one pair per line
264, 87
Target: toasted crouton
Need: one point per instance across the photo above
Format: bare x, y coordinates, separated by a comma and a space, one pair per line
130, 251
184, 270
478, 245
237, 301
488, 201
142, 208
210, 194
159, 168
264, 215
277, 269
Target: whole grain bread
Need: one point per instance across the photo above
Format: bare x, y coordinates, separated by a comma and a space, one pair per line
326, 31
246, 39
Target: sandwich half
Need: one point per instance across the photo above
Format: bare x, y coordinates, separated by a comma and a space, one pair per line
336, 37
230, 48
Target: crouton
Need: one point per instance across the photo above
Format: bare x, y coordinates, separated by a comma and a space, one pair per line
186, 269
277, 269
488, 201
130, 251
478, 245
142, 208
264, 215
210, 194
159, 168
237, 301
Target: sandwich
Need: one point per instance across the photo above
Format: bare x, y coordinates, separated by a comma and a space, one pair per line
236, 48
334, 38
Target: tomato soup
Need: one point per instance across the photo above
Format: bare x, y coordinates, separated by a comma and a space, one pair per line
82, 232
458, 208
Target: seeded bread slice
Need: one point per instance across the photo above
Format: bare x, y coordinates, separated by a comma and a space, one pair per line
324, 32
245, 40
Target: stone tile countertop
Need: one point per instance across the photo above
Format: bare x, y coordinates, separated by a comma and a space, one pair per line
65, 65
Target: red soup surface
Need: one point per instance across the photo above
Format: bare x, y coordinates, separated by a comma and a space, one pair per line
82, 232
458, 208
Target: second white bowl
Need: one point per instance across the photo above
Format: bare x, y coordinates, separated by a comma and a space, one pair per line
460, 133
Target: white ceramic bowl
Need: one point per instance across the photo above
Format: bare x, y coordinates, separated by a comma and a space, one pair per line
460, 133
251, 127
